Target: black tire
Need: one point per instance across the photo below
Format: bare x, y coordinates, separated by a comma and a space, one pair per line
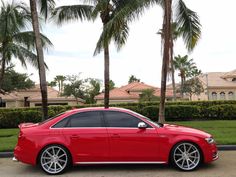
54, 159
186, 156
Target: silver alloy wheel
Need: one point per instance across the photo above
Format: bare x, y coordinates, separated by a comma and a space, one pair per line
186, 156
54, 159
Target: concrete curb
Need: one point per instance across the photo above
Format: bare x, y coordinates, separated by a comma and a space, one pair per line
6, 154
220, 148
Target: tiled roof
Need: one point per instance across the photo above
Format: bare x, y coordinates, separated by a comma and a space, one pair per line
34, 94
231, 74
216, 79
169, 92
8, 96
118, 93
136, 86
132, 91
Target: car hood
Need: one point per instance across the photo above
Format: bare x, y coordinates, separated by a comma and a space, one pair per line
186, 130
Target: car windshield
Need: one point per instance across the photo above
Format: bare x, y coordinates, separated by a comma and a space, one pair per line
43, 122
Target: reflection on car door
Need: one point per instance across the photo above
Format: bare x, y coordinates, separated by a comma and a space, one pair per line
87, 136
127, 141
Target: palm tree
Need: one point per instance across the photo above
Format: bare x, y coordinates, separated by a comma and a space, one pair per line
186, 20
60, 81
186, 69
14, 41
114, 16
45, 5
175, 34
167, 38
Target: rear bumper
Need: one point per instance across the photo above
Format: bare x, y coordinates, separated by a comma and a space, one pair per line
23, 156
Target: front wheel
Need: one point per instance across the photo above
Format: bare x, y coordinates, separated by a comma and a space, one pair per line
186, 156
54, 159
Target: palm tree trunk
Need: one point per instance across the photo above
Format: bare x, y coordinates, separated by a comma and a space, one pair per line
182, 87
166, 57
3, 67
106, 75
172, 70
40, 57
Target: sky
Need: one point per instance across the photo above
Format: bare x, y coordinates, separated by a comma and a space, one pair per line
74, 44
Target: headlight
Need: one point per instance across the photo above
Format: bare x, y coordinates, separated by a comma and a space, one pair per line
210, 140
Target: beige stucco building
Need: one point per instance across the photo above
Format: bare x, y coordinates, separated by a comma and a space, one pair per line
218, 86
32, 97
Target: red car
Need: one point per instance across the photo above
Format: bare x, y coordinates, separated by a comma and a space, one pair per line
110, 136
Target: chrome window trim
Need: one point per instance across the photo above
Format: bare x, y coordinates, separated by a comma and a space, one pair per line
102, 111
99, 128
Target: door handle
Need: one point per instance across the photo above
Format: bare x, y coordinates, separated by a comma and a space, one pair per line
74, 136
115, 136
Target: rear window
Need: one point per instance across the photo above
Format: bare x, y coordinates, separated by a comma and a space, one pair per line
43, 122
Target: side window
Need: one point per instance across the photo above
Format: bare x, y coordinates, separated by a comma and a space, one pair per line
61, 123
120, 119
85, 119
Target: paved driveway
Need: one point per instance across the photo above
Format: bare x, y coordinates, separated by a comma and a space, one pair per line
223, 167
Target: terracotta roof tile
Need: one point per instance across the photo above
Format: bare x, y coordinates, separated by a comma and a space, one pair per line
118, 93
136, 86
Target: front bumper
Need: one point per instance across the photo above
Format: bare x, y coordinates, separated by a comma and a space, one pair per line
210, 153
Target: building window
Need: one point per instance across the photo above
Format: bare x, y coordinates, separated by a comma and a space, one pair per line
231, 95
214, 96
222, 95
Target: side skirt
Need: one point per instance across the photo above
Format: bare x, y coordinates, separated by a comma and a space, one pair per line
145, 162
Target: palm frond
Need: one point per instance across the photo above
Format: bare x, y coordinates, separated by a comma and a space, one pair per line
122, 13
189, 23
27, 39
46, 7
64, 14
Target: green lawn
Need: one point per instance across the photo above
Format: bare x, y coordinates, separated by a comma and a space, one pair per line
224, 132
8, 139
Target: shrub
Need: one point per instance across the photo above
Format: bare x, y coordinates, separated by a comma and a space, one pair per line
226, 111
175, 111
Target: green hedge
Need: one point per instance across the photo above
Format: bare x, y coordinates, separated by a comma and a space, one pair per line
175, 111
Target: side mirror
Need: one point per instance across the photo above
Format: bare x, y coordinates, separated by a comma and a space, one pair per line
142, 125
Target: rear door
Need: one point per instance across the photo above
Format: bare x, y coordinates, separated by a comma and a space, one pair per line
87, 136
127, 141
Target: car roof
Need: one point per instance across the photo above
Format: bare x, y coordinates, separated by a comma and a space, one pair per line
98, 109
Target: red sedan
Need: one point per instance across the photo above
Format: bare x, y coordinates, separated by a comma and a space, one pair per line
110, 136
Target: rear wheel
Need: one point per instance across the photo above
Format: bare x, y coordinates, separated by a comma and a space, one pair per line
186, 156
54, 159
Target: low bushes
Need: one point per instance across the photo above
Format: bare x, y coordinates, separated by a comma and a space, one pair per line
175, 111
219, 112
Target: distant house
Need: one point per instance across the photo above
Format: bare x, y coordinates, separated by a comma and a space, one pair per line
130, 93
218, 86
32, 97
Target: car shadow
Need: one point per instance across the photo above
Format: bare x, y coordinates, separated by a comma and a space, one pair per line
114, 168
135, 167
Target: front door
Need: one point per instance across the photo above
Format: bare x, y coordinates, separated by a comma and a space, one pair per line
128, 143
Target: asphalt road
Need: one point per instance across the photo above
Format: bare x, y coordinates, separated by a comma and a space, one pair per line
225, 166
